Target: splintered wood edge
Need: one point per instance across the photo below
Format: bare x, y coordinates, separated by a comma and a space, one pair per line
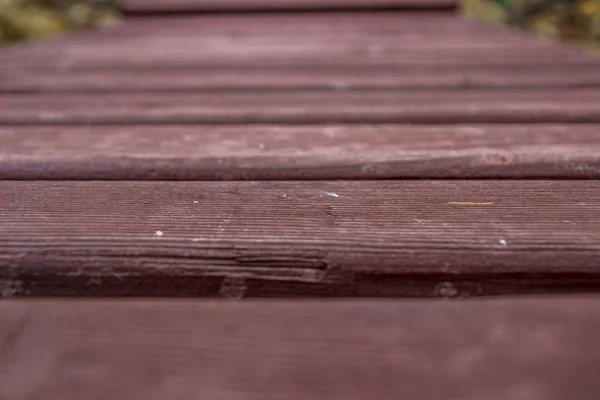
282, 239
531, 348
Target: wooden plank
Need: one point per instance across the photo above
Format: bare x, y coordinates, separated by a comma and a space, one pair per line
134, 6
306, 107
337, 26
495, 350
325, 238
259, 152
283, 53
233, 78
392, 40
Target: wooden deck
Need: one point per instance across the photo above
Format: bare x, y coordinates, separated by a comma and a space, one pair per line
393, 150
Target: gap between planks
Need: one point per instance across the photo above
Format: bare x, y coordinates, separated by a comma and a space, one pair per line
136, 7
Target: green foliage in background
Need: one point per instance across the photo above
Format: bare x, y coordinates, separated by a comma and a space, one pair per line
572, 20
32, 19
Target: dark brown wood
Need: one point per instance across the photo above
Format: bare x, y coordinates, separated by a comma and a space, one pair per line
297, 238
339, 40
260, 152
215, 79
306, 107
496, 350
235, 5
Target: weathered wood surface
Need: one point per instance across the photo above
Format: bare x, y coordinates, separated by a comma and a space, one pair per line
305, 107
298, 238
314, 96
469, 350
378, 39
232, 78
271, 152
161, 6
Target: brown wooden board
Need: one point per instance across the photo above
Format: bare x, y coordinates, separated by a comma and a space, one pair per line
339, 27
380, 39
283, 152
324, 238
336, 27
417, 350
161, 6
305, 107
234, 78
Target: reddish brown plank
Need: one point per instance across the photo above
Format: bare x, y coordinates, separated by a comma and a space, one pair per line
393, 40
261, 152
338, 27
293, 238
306, 107
343, 26
179, 54
503, 349
235, 5
232, 78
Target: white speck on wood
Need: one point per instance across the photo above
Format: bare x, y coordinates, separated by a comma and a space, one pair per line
233, 288
158, 233
10, 288
445, 289
332, 194
503, 242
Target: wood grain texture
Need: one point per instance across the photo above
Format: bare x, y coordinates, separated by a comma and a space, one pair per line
134, 6
469, 350
305, 107
297, 238
271, 152
232, 78
378, 39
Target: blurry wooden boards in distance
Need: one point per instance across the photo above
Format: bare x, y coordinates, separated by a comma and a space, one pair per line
134, 6
390, 39
18, 80
305, 107
284, 152
418, 350
323, 238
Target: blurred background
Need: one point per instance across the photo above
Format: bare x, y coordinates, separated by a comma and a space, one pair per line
22, 20
571, 20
